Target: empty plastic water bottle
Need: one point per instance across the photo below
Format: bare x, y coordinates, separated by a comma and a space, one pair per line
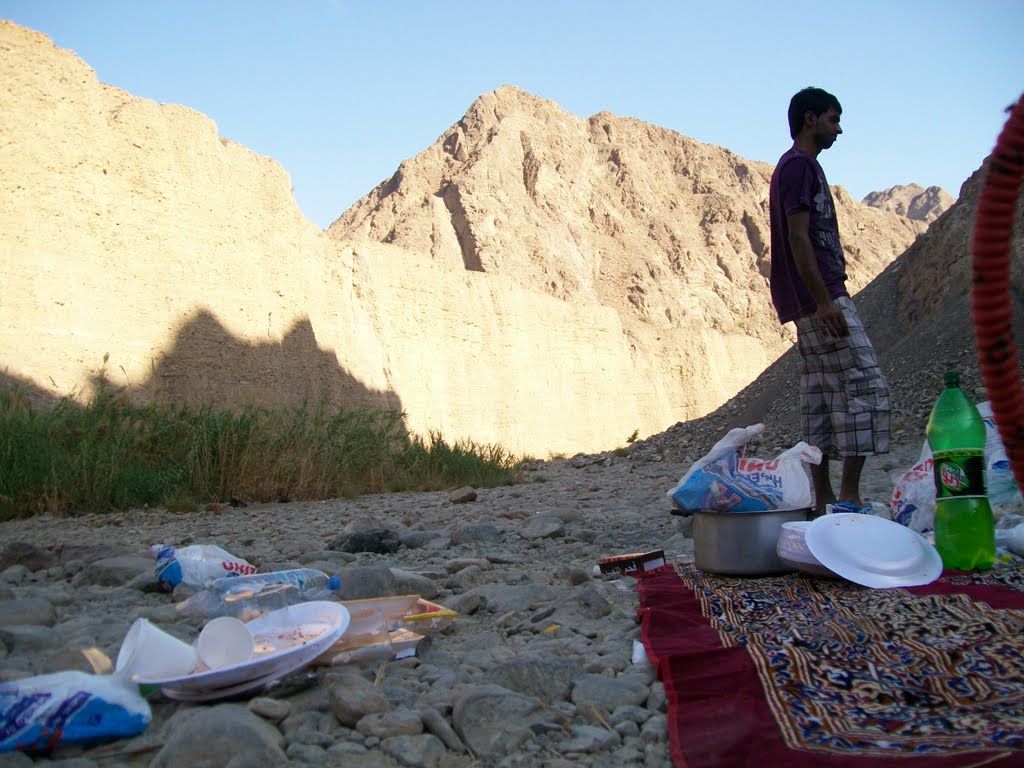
197, 565
247, 597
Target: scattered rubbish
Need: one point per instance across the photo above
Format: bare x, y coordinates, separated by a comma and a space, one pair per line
248, 597
284, 641
913, 497
225, 641
618, 584
1015, 540
39, 713
792, 550
385, 628
635, 564
98, 660
872, 551
196, 565
149, 652
639, 653
1010, 534
725, 480
1003, 493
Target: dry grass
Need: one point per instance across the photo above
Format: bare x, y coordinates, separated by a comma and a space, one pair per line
110, 454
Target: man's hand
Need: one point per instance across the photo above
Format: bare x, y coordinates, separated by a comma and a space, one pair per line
831, 319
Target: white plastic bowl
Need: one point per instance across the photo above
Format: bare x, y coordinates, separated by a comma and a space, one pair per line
792, 550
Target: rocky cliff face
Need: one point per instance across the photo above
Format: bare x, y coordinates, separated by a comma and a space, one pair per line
668, 232
912, 200
533, 279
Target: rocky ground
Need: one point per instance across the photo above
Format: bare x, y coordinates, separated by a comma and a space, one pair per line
538, 669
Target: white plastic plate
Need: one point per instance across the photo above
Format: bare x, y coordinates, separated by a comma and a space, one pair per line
873, 551
212, 694
285, 640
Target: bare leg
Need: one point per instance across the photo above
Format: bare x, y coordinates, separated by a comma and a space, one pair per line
850, 488
823, 493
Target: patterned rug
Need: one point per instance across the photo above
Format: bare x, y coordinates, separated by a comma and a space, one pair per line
800, 671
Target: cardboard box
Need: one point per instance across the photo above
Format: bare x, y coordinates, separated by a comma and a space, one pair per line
635, 564
384, 628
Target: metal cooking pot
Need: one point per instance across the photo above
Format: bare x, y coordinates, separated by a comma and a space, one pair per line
741, 543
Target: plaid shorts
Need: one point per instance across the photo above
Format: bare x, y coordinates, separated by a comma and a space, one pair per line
844, 398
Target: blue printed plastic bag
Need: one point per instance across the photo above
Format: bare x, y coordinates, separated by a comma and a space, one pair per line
726, 480
39, 713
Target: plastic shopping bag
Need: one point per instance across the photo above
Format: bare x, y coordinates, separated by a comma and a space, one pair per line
197, 565
38, 713
1003, 494
726, 480
913, 496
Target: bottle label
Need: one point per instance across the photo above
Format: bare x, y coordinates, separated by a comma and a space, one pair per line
959, 474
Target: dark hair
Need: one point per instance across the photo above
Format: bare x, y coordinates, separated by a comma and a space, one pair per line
809, 99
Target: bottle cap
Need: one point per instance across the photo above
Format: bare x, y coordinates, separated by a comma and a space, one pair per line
951, 378
334, 583
169, 575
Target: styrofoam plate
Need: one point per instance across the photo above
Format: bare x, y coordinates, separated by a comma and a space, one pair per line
212, 694
285, 640
873, 551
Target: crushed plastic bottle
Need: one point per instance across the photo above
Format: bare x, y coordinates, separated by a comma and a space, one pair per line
39, 713
247, 597
197, 565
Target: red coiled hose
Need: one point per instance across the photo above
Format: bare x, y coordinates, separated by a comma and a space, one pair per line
991, 304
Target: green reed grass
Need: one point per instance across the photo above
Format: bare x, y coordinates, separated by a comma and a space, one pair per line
109, 454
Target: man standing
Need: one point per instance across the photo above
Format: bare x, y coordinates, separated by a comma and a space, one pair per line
844, 399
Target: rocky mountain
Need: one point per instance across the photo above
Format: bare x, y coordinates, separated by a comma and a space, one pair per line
534, 279
667, 231
912, 200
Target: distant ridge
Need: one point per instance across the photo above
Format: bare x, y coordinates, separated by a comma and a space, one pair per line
913, 201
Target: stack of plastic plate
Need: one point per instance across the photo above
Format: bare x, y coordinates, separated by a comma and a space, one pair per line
792, 550
864, 549
284, 641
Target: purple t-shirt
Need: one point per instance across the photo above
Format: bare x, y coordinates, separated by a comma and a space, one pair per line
799, 184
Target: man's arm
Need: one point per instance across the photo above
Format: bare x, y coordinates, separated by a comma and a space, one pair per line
829, 314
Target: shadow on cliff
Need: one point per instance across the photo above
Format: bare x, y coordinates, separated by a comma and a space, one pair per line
207, 364
32, 393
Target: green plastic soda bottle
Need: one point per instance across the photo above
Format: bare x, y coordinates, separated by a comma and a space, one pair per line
964, 530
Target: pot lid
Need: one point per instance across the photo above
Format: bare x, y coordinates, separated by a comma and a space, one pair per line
873, 551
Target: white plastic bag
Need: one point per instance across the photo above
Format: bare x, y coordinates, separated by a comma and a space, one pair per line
197, 565
727, 480
37, 713
913, 496
999, 480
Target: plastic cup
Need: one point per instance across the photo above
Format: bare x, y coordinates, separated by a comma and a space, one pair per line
149, 653
224, 642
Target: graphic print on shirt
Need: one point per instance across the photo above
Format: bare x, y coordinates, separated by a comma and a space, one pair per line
825, 232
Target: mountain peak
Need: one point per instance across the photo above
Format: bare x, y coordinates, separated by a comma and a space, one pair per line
913, 201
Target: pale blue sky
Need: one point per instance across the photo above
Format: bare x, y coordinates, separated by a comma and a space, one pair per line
340, 92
